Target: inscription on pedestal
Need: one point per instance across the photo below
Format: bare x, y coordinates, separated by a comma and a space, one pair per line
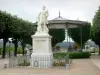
39, 44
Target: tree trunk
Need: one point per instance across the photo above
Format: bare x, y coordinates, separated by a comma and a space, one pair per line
4, 48
23, 47
16, 45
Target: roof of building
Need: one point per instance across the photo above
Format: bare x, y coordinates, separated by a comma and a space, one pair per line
61, 20
59, 17
75, 22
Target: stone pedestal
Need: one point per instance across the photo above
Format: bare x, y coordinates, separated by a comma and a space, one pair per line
42, 56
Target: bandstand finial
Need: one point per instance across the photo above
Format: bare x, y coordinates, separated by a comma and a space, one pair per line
59, 13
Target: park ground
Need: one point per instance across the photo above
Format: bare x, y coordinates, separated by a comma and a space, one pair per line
90, 66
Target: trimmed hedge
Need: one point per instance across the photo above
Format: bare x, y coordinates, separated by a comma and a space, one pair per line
75, 55
60, 55
72, 55
0, 51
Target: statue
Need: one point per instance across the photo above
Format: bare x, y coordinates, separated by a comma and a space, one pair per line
42, 21
28, 50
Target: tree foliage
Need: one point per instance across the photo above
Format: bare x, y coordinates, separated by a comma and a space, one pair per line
58, 35
15, 28
80, 35
95, 30
6, 24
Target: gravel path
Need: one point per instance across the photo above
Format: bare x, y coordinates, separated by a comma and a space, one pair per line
2, 62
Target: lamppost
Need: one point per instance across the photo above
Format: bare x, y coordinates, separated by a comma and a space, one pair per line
81, 36
66, 30
68, 38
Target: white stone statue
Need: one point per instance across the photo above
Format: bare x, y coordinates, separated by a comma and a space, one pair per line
42, 21
27, 50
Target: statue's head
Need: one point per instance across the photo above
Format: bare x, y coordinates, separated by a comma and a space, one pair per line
27, 45
44, 7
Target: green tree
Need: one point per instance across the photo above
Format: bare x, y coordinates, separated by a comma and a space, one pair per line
22, 30
16, 32
15, 28
95, 30
58, 35
5, 20
2, 23
25, 37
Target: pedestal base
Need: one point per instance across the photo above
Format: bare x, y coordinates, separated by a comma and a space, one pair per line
41, 60
42, 56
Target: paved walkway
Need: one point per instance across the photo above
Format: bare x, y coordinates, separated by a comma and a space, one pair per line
79, 67
96, 60
84, 67
2, 62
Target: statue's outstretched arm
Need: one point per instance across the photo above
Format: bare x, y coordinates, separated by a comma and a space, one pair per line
47, 14
38, 18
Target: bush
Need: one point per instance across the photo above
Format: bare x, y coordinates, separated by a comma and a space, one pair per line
25, 63
58, 47
19, 51
92, 51
0, 51
59, 63
72, 55
60, 59
75, 55
60, 55
9, 48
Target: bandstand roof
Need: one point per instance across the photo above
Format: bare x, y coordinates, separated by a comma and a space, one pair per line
60, 22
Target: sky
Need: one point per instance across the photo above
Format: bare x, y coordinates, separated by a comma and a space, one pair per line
70, 9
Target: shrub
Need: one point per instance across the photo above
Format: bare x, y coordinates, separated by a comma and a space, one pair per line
60, 55
9, 49
19, 50
25, 63
92, 51
58, 47
72, 55
60, 59
59, 64
0, 51
75, 55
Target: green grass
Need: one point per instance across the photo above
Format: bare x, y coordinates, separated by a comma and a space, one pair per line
19, 50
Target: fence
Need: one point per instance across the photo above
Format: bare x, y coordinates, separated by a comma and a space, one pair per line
66, 62
20, 61
24, 61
